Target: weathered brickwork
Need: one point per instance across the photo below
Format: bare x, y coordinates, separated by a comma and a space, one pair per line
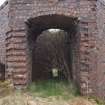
3, 29
28, 16
101, 48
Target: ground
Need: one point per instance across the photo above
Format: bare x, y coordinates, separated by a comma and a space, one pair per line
44, 93
25, 99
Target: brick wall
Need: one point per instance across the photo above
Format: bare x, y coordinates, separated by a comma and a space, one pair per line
90, 66
21, 10
101, 48
3, 29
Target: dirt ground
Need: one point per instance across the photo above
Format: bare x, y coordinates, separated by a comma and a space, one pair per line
25, 99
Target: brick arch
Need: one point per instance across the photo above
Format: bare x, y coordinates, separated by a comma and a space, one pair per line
21, 60
35, 26
41, 23
16, 49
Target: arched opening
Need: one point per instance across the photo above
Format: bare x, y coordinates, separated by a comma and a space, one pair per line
48, 26
51, 56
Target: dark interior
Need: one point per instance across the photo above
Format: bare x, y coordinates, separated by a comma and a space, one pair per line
50, 52
36, 26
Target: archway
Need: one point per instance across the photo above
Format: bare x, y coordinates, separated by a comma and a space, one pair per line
35, 26
51, 56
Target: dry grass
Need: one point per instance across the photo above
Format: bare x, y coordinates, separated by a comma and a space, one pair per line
19, 98
5, 88
10, 97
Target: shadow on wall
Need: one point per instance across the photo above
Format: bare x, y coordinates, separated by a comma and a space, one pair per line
2, 72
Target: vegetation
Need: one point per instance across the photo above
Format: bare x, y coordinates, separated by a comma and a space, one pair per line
45, 93
54, 88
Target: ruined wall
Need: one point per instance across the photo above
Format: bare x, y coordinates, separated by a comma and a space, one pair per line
18, 60
20, 11
101, 48
3, 29
91, 58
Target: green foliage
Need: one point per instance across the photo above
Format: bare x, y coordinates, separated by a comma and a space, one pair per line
54, 88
